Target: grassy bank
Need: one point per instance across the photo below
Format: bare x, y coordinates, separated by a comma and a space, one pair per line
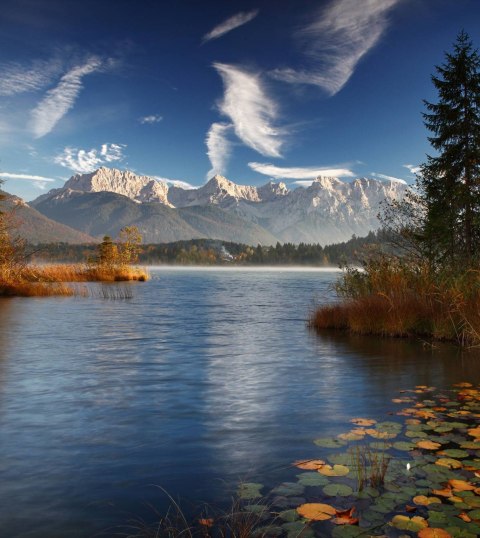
48, 280
395, 298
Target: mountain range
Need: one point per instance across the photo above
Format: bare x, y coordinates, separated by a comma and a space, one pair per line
329, 210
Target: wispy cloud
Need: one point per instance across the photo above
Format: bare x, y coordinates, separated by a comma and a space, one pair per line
218, 147
250, 109
388, 178
230, 24
83, 161
59, 100
18, 78
176, 182
413, 169
310, 172
153, 118
337, 39
28, 177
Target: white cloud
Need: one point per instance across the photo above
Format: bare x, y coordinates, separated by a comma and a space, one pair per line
388, 178
28, 177
218, 148
59, 100
250, 110
17, 78
412, 168
310, 172
153, 118
176, 183
337, 39
83, 161
230, 24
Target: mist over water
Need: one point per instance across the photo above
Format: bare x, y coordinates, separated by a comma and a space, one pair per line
203, 378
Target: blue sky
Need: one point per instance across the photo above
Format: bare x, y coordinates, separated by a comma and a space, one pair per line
250, 89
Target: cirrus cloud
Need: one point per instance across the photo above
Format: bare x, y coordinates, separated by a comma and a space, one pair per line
218, 147
310, 172
230, 24
338, 38
84, 161
59, 100
250, 109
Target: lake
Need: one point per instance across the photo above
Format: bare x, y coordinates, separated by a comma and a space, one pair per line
201, 379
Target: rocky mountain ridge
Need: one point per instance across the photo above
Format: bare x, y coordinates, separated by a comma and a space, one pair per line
330, 210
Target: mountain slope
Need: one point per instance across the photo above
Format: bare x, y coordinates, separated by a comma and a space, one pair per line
36, 228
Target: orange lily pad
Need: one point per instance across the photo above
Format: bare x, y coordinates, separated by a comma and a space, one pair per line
449, 462
461, 485
316, 511
425, 501
345, 517
363, 421
433, 533
336, 470
428, 445
309, 465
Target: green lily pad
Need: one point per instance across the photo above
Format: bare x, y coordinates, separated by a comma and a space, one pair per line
295, 529
249, 490
444, 429
269, 530
341, 490
437, 519
416, 434
289, 489
473, 502
470, 445
348, 531
457, 532
256, 508
329, 442
340, 459
312, 479
455, 453
368, 493
389, 427
474, 514
289, 515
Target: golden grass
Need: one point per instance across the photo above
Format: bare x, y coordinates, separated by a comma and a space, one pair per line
394, 299
48, 280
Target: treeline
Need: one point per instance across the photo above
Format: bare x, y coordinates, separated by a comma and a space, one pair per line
216, 252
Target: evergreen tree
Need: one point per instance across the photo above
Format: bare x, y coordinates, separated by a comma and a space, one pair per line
450, 181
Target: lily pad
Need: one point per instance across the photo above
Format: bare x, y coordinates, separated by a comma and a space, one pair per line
405, 523
312, 479
316, 511
348, 531
289, 489
295, 529
289, 515
249, 490
329, 442
450, 463
336, 470
342, 490
404, 446
454, 453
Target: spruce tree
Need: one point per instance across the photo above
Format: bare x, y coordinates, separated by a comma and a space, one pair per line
450, 181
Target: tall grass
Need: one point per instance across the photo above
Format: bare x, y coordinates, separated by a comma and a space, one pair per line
391, 297
48, 280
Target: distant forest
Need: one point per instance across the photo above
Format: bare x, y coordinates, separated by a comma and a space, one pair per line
216, 252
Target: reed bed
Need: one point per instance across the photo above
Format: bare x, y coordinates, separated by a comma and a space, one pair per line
392, 298
50, 280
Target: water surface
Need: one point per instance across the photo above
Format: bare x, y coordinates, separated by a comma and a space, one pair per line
201, 379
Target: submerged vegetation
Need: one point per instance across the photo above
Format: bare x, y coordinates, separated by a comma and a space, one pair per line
431, 286
415, 475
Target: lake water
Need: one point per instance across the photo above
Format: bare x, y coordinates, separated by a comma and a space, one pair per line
201, 379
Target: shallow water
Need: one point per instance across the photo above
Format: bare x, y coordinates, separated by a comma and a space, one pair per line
201, 379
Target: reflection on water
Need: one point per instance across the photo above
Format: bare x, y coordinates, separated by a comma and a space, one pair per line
199, 380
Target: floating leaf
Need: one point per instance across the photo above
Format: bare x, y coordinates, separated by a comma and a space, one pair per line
454, 453
405, 523
309, 465
449, 462
289, 515
345, 517
206, 522
425, 501
289, 489
378, 434
249, 490
351, 436
316, 511
296, 529
461, 485
341, 490
336, 470
428, 445
348, 531
433, 533
474, 432
328, 442
312, 479
363, 421
256, 508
